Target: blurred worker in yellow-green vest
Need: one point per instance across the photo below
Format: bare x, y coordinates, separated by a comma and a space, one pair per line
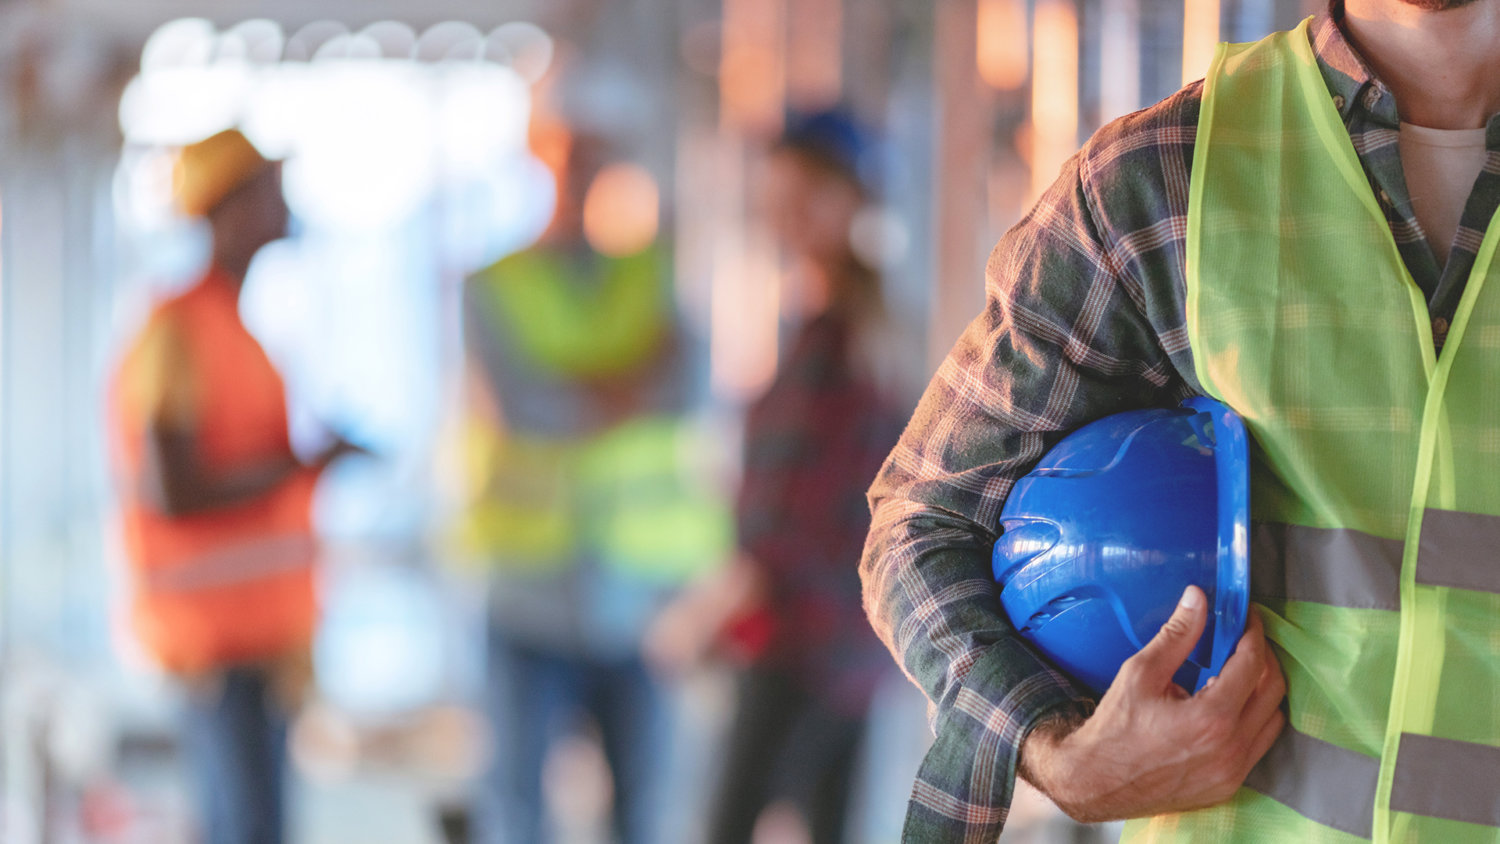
587, 496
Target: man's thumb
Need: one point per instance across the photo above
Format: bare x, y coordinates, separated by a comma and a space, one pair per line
1174, 642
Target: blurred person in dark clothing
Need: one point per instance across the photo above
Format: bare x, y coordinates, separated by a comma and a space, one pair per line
216, 508
584, 506
790, 605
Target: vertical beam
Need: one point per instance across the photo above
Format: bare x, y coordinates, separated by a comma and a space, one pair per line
960, 167
1200, 34
752, 73
870, 68
1253, 20
1054, 91
744, 297
1003, 44
815, 54
1119, 58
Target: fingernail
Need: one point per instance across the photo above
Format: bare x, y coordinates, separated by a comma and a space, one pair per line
1192, 599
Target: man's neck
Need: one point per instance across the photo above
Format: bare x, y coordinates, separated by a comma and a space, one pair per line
1443, 67
232, 265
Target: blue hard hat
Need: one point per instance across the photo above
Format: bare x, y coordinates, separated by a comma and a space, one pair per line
1099, 540
839, 139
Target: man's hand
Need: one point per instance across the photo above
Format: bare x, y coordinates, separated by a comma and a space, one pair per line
1150, 747
689, 627
340, 447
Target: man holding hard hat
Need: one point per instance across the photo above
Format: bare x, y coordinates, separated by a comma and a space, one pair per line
1306, 237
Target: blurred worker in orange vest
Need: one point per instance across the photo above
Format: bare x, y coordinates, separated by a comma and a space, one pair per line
216, 507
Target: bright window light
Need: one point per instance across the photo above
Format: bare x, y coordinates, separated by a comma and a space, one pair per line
476, 114
171, 106
364, 157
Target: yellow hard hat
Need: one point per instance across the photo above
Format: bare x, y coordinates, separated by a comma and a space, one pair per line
207, 171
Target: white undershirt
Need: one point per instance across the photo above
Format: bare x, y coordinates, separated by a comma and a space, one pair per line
1440, 166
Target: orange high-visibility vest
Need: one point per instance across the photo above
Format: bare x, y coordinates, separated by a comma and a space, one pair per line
226, 585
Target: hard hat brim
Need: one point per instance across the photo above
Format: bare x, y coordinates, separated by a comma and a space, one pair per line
1232, 588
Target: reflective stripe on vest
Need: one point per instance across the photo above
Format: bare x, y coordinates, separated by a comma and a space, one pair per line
233, 565
1347, 568
1439, 778
1459, 550
651, 514
1375, 560
630, 497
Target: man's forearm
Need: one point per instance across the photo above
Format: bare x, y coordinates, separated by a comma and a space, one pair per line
179, 485
929, 593
1041, 743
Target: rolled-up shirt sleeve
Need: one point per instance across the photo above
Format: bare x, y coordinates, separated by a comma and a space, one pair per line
1066, 336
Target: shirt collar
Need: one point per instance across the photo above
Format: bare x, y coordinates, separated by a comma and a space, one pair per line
1357, 93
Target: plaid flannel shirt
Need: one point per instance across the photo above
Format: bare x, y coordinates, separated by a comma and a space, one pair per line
1084, 318
812, 442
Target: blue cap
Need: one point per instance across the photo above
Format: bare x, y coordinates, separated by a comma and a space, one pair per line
1098, 542
838, 138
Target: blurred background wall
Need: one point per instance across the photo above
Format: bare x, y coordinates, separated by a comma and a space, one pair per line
406, 123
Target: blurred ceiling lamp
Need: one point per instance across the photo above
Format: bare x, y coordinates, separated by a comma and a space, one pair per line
1002, 43
1054, 91
1200, 34
258, 41
450, 41
621, 210
301, 46
396, 39
185, 42
346, 47
1119, 59
526, 47
752, 70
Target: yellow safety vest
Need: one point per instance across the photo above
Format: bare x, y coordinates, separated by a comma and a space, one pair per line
602, 329
629, 496
1375, 486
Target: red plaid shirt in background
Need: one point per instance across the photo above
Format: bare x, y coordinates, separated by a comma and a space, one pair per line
813, 443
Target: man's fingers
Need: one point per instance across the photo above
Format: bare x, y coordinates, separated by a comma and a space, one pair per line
1269, 691
1266, 736
1171, 646
1242, 671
